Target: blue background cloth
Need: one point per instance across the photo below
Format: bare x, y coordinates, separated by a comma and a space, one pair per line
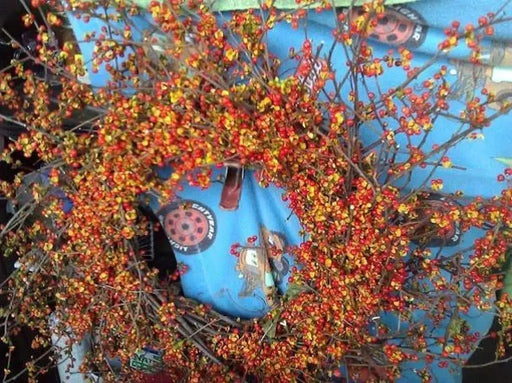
212, 275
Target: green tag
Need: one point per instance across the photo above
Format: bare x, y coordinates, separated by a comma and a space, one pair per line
147, 360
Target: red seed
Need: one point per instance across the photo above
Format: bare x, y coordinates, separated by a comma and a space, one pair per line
489, 30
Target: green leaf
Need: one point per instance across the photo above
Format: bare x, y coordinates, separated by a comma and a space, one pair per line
507, 282
294, 290
270, 327
456, 326
505, 160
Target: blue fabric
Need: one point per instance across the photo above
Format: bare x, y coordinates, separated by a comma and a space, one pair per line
213, 275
